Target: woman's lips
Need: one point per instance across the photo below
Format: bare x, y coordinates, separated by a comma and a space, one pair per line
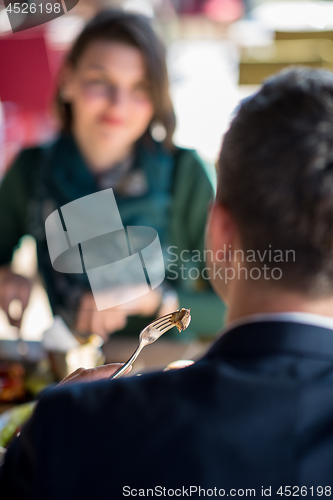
109, 120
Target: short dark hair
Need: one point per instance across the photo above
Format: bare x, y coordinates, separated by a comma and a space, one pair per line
132, 29
276, 175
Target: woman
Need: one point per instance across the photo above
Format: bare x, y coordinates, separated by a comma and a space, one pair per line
113, 91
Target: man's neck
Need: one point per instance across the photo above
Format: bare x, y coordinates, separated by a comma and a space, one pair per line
246, 301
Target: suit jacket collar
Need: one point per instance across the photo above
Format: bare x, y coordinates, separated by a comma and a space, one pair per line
265, 337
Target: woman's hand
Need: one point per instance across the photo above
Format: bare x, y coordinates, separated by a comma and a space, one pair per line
13, 287
92, 374
102, 323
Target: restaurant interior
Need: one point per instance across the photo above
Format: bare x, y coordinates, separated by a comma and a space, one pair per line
218, 53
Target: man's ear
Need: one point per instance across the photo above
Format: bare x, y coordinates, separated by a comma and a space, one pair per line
221, 230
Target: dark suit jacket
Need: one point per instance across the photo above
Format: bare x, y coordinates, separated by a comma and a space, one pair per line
256, 411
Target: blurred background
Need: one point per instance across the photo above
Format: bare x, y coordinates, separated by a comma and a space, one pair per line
218, 53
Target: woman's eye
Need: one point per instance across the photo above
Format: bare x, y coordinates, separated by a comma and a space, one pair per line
96, 82
142, 90
96, 86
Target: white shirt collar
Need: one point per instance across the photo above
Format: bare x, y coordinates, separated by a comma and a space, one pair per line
294, 317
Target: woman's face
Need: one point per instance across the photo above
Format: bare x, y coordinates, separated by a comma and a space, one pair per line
110, 95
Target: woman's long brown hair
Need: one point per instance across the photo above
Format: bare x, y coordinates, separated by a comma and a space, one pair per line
135, 30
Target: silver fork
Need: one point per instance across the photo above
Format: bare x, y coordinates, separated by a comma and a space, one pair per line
147, 336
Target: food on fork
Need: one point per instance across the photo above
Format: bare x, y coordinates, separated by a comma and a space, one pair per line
181, 319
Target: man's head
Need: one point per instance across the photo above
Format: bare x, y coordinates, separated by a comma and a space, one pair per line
275, 186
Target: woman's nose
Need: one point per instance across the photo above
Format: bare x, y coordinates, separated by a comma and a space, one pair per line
117, 96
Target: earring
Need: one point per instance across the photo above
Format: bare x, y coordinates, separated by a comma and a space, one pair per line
65, 94
158, 131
